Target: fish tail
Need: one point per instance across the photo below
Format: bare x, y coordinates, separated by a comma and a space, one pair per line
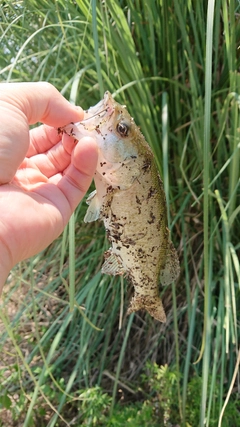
152, 304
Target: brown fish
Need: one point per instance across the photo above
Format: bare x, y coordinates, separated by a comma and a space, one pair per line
130, 199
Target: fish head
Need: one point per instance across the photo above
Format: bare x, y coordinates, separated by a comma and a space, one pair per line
113, 128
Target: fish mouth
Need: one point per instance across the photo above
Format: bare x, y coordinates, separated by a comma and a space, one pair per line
102, 109
94, 117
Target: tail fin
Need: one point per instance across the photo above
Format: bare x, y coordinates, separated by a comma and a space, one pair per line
151, 304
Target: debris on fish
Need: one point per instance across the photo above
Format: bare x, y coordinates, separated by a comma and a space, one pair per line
130, 199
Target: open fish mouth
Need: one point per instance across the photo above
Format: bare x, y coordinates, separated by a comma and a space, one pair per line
93, 118
102, 109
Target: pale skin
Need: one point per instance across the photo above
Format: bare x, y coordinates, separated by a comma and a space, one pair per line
43, 174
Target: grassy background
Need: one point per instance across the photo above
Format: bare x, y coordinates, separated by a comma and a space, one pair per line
175, 65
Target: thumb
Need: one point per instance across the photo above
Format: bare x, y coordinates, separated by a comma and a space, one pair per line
40, 102
78, 176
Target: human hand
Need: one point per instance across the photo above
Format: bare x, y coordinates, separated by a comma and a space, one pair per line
43, 174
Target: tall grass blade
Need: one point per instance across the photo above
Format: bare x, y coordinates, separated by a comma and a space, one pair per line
206, 155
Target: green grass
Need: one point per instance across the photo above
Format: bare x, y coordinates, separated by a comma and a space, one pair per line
175, 65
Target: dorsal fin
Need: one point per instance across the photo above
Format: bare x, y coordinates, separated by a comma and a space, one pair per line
171, 269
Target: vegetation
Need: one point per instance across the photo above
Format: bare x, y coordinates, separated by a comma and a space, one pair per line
175, 65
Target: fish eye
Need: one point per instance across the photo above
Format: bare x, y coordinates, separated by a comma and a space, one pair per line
122, 128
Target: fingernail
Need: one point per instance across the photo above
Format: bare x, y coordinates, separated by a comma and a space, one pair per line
79, 109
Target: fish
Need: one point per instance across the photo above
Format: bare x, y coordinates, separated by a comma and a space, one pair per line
130, 200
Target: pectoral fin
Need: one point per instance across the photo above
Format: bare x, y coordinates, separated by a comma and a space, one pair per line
93, 212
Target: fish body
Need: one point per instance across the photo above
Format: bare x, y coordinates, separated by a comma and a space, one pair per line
130, 199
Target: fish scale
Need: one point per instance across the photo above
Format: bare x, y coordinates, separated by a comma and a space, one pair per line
130, 199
